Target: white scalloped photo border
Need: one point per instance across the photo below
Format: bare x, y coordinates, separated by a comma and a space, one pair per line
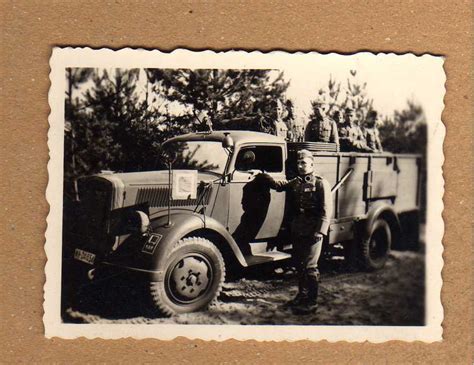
181, 58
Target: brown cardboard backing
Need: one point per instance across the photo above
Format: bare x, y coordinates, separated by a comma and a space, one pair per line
31, 28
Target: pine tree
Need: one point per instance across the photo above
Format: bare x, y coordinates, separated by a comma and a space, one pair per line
75, 77
114, 129
406, 132
228, 99
353, 96
118, 118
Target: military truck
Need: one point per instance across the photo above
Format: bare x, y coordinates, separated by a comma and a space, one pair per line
206, 211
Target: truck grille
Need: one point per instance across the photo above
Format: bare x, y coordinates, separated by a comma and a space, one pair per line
95, 200
158, 197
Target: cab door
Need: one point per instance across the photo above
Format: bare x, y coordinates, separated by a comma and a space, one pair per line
256, 211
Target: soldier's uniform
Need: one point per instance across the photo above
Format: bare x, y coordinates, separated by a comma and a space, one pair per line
352, 138
281, 129
373, 139
322, 130
312, 199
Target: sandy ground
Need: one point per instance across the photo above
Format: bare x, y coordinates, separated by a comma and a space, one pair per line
391, 296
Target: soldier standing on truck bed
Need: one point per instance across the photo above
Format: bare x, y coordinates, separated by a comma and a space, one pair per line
321, 128
372, 133
311, 196
351, 136
279, 125
339, 120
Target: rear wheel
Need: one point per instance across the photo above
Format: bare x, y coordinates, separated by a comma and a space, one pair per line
375, 248
193, 276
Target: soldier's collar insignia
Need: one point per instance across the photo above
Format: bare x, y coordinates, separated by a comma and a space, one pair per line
308, 178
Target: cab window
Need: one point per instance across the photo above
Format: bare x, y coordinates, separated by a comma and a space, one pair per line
266, 158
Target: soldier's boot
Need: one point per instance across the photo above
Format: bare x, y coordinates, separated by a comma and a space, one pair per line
310, 304
302, 295
294, 302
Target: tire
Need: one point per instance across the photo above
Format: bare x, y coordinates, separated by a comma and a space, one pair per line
194, 272
375, 248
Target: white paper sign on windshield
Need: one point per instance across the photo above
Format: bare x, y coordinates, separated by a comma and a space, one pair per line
184, 184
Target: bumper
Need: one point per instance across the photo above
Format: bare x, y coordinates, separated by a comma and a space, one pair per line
103, 270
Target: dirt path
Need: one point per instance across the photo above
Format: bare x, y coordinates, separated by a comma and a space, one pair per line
392, 296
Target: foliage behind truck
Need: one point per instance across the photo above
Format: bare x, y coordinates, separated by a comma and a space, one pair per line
179, 228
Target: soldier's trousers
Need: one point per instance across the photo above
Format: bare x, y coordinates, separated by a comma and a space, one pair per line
306, 252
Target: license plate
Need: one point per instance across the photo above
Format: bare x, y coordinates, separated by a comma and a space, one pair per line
84, 256
151, 243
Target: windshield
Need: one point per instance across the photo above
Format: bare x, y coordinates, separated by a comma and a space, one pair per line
198, 155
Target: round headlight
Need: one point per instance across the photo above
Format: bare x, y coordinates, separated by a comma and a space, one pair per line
139, 222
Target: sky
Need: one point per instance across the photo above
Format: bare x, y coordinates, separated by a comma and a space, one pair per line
391, 81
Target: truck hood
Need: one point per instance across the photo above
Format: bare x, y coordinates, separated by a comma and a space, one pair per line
135, 187
149, 177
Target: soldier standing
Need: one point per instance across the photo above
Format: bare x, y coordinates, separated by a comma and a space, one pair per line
290, 135
351, 136
372, 133
280, 127
312, 198
337, 117
321, 128
301, 132
339, 120
281, 130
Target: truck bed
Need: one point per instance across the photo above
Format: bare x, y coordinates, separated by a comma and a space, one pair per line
393, 178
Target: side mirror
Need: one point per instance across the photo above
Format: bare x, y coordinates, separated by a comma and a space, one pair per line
228, 145
227, 142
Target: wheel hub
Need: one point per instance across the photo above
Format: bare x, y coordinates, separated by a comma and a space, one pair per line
189, 277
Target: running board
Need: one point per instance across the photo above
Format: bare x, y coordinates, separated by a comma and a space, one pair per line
263, 257
257, 248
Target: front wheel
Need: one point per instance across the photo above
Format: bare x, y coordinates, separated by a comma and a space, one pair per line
193, 276
375, 248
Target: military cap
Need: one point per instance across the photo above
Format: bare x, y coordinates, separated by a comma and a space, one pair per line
373, 114
304, 154
349, 110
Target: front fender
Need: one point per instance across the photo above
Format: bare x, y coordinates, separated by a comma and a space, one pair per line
181, 224
133, 254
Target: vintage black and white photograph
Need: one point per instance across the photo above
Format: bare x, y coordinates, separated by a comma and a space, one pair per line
246, 195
